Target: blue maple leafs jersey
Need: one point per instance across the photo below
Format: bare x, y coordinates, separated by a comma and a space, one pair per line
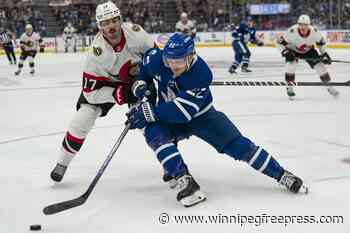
182, 98
244, 33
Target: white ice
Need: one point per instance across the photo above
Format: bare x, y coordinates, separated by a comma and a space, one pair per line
309, 136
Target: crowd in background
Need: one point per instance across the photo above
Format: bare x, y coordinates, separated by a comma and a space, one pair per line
161, 15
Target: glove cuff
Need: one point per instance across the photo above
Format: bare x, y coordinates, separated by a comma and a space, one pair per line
137, 87
147, 110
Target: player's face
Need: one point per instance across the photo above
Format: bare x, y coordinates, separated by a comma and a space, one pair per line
29, 31
303, 28
177, 66
111, 28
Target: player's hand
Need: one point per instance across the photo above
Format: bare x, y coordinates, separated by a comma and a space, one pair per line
260, 43
140, 90
289, 54
326, 59
123, 94
140, 116
42, 49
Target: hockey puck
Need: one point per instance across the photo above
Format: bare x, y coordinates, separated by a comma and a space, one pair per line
35, 227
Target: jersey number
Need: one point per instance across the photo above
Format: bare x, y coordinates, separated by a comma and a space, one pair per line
89, 84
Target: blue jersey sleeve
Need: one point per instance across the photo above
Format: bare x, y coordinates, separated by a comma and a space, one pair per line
252, 33
150, 65
186, 106
193, 98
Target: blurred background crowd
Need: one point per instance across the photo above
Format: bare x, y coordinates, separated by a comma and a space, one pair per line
49, 17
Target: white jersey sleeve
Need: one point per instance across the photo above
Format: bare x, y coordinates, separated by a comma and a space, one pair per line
104, 64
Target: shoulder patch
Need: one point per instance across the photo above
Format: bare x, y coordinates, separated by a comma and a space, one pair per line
291, 30
136, 27
97, 51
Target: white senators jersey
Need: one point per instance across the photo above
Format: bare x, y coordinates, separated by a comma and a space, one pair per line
187, 28
293, 40
30, 42
104, 63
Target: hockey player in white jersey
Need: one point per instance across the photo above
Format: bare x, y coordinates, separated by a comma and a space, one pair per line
299, 43
69, 37
107, 78
186, 26
30, 42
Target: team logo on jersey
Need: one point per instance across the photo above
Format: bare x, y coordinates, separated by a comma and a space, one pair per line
97, 51
30, 43
136, 27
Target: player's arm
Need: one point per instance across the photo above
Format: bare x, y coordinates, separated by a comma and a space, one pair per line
184, 107
321, 44
97, 88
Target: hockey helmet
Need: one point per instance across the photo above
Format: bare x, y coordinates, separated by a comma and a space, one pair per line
304, 19
179, 46
105, 11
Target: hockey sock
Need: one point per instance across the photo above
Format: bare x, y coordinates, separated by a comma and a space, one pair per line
171, 159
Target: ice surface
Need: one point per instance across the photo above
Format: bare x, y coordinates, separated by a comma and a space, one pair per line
309, 136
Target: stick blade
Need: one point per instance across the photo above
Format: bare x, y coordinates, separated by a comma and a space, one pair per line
65, 205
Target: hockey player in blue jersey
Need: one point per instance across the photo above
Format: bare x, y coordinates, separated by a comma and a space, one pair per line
241, 35
183, 107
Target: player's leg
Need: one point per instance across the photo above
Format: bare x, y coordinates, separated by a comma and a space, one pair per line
31, 62
162, 141
7, 52
238, 57
314, 60
78, 129
326, 78
217, 130
12, 53
246, 58
290, 78
22, 58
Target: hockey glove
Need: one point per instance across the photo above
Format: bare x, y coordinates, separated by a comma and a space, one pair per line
42, 49
259, 43
122, 95
289, 54
140, 116
140, 90
326, 59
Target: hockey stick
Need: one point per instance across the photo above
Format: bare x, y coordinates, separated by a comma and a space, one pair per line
340, 61
274, 83
58, 207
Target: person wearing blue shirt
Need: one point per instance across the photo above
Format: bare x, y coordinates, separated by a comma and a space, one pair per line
182, 107
241, 35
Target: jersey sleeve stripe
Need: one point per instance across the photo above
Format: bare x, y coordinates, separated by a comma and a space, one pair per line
184, 101
182, 109
98, 78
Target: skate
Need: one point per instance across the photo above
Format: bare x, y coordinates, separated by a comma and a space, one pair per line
58, 172
290, 92
293, 183
232, 69
170, 180
32, 72
245, 69
189, 191
333, 92
17, 72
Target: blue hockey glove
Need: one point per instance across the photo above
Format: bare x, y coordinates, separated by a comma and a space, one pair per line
140, 116
326, 59
140, 89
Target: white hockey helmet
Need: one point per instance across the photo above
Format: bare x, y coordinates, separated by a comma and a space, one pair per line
105, 11
183, 15
29, 26
304, 19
